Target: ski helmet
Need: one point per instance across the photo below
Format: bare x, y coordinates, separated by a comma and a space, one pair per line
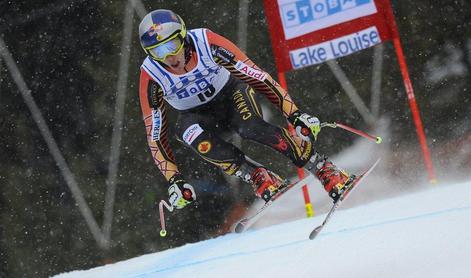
162, 33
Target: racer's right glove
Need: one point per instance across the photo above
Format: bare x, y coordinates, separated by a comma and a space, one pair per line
180, 192
307, 127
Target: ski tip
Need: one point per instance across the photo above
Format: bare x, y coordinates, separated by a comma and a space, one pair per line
314, 233
239, 228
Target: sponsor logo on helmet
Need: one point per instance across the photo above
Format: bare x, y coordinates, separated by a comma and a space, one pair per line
204, 147
154, 29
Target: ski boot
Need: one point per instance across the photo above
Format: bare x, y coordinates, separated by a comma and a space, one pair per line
334, 180
265, 183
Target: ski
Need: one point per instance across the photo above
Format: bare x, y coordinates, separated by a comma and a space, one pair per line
342, 198
247, 222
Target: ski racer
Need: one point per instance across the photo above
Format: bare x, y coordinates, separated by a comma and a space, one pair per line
212, 83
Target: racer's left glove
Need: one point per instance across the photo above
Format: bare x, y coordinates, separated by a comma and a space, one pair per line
180, 192
307, 127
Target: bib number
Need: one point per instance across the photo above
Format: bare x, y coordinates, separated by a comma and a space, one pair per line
206, 94
202, 89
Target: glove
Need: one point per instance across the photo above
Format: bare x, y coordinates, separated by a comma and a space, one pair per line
180, 192
306, 126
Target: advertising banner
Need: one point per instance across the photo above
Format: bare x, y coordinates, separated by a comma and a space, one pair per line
309, 32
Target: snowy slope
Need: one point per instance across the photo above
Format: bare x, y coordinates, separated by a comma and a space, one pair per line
425, 234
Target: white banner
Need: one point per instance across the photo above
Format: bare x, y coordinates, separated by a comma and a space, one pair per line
301, 17
333, 49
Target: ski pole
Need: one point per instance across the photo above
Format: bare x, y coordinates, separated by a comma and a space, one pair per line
377, 139
163, 203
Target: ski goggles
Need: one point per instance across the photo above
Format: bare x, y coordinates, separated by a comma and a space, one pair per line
168, 48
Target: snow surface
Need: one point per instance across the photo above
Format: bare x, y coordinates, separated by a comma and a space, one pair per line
424, 234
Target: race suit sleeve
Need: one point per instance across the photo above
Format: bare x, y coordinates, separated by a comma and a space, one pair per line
155, 119
228, 55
